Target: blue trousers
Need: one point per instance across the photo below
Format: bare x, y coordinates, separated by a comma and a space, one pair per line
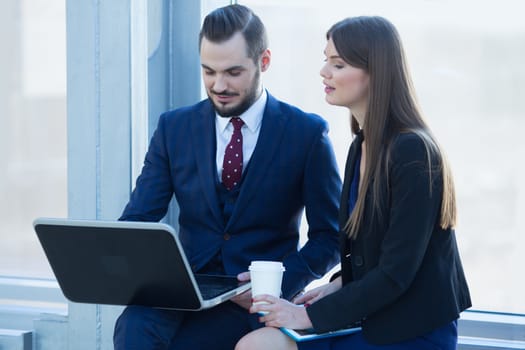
444, 338
147, 328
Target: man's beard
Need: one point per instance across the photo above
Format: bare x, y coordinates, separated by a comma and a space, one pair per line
247, 102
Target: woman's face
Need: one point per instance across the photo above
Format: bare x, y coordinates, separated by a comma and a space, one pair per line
345, 85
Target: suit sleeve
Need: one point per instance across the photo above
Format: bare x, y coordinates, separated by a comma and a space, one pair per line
150, 199
414, 207
321, 192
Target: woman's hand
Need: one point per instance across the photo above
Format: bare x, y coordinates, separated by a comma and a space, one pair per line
315, 294
280, 312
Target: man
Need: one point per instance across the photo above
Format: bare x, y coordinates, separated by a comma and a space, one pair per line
243, 166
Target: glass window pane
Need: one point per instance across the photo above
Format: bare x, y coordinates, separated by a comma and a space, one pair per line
32, 129
466, 60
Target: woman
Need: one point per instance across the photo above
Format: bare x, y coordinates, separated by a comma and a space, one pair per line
401, 274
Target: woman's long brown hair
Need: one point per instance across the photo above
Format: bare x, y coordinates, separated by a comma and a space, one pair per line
373, 44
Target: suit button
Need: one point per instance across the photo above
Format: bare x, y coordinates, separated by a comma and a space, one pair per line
226, 236
358, 260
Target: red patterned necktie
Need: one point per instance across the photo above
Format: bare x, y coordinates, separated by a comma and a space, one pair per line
232, 163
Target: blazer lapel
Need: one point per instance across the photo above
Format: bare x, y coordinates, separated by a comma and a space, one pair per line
349, 172
272, 131
343, 207
204, 147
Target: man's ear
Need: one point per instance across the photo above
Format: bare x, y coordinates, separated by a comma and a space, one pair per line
266, 58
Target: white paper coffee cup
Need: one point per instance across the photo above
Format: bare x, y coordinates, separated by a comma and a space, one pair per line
266, 277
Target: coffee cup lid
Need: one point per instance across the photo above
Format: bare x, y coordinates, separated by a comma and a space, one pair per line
259, 265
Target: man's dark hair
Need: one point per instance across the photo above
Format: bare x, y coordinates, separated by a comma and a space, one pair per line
222, 23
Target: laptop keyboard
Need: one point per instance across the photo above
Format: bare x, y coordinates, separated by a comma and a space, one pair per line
212, 286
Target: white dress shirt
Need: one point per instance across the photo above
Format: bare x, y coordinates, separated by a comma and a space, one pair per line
252, 119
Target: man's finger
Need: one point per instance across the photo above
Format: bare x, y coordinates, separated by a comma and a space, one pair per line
244, 276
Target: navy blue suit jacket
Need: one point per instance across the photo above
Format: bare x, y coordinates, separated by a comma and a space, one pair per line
292, 169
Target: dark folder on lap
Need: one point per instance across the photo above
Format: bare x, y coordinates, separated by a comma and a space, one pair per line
128, 263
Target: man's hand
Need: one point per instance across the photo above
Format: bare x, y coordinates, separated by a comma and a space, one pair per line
244, 300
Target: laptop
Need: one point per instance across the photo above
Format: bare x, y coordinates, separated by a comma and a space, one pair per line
128, 263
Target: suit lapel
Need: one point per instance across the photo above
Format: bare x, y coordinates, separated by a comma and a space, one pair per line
349, 172
272, 131
204, 147
343, 206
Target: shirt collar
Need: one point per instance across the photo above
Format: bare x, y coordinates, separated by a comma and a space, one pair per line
252, 117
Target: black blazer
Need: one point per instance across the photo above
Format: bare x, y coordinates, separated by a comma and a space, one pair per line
402, 275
